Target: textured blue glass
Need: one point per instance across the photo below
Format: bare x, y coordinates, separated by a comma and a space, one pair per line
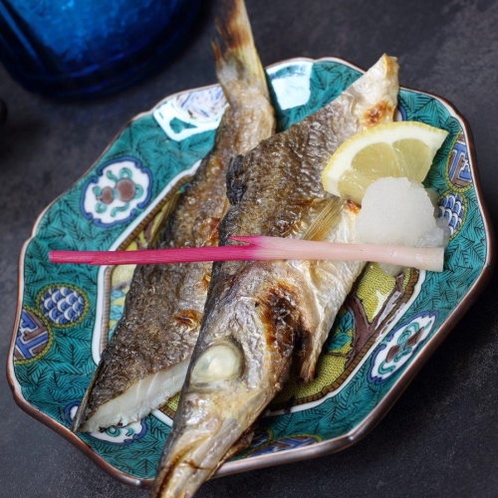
69, 48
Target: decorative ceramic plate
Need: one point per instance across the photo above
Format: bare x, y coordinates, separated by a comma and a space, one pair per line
386, 330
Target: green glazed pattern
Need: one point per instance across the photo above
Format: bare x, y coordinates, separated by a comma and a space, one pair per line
56, 338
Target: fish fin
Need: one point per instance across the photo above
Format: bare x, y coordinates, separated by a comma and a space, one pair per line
326, 220
326, 275
236, 56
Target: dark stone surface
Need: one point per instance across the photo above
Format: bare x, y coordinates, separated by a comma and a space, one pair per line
441, 438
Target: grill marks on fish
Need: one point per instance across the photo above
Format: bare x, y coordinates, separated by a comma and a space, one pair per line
271, 310
377, 113
280, 316
288, 333
164, 305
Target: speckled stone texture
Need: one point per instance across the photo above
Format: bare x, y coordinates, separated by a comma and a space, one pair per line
440, 438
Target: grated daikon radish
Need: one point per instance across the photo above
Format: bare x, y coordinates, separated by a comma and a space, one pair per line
400, 212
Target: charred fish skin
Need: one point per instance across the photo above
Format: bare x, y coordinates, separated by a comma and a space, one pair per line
146, 359
259, 315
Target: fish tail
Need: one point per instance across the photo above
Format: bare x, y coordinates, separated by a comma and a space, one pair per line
237, 59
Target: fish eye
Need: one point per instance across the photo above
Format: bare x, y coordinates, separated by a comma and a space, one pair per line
217, 363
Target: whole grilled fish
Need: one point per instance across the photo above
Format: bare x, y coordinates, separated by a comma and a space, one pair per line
261, 315
146, 359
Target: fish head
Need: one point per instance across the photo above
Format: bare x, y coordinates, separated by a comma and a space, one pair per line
235, 372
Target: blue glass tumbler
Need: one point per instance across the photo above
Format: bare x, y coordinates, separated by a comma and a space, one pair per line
78, 48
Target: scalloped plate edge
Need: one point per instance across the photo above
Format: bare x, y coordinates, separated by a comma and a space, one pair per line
317, 449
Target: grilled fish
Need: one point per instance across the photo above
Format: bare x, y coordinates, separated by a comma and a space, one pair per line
146, 359
261, 317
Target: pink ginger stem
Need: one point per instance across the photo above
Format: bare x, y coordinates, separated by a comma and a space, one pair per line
264, 248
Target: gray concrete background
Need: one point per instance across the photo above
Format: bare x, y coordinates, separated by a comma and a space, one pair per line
441, 438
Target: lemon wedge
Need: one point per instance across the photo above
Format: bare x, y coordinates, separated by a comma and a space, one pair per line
398, 149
